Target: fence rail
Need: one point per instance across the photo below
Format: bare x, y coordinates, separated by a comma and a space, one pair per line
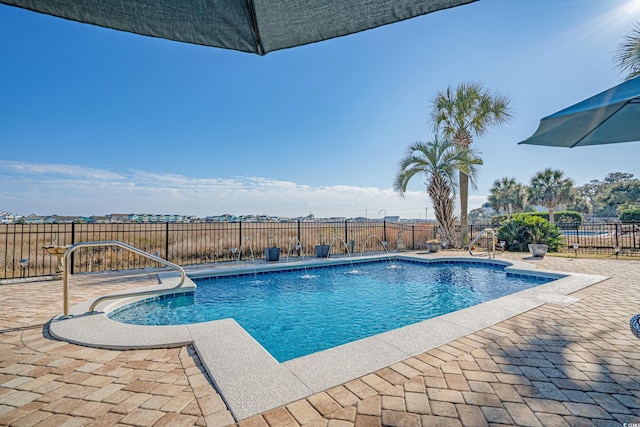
22, 252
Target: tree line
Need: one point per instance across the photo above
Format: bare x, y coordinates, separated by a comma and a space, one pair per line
616, 193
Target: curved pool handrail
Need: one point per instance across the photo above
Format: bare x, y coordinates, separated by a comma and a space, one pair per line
492, 247
72, 248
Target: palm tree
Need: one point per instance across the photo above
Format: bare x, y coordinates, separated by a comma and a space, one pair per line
507, 194
461, 113
549, 188
628, 53
438, 161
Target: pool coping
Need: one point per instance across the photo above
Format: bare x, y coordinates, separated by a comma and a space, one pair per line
251, 381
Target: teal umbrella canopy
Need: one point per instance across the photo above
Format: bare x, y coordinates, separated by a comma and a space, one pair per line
606, 118
255, 26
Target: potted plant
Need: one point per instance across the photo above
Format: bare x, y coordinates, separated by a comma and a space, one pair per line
433, 245
272, 253
540, 231
322, 250
534, 233
634, 324
538, 250
536, 247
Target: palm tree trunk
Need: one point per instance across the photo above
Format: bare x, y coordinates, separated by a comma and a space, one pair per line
443, 204
463, 138
464, 201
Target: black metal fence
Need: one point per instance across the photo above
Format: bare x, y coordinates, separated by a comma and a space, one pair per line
23, 253
611, 238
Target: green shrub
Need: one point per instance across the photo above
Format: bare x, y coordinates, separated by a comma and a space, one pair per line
514, 233
523, 229
630, 215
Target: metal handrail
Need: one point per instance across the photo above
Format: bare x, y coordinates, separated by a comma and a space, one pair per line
65, 277
492, 248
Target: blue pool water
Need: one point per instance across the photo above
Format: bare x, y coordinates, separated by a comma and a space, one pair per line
295, 313
582, 233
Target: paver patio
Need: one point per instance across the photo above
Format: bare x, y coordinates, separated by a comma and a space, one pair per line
556, 365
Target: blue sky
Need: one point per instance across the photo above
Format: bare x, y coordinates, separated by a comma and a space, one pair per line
96, 121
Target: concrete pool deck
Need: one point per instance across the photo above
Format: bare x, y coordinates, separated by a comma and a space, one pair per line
567, 360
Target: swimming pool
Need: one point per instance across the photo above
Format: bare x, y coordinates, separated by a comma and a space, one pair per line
252, 381
302, 311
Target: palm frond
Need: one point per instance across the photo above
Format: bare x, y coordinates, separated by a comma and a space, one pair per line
627, 55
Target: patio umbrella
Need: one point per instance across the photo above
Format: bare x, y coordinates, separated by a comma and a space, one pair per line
256, 26
606, 118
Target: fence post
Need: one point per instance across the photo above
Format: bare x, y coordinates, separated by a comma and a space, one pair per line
299, 238
413, 237
73, 241
346, 233
21, 249
166, 242
239, 240
384, 229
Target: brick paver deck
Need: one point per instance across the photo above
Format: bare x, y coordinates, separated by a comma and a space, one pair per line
556, 365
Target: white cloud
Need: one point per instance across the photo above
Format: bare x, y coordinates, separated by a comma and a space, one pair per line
77, 172
76, 190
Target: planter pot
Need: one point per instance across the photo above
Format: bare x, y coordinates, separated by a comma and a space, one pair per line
434, 247
272, 254
538, 250
322, 251
634, 324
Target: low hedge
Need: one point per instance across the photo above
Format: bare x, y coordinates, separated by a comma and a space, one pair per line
630, 215
562, 218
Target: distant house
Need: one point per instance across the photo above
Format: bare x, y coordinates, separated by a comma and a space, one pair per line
221, 218
58, 219
6, 218
119, 218
33, 219
176, 218
150, 218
